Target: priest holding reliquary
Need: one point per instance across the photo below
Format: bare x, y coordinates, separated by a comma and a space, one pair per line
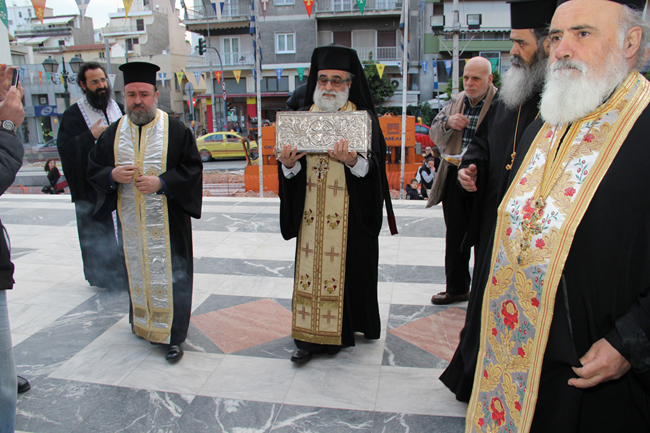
331, 164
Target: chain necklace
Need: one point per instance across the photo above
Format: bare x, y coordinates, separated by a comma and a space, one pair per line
514, 143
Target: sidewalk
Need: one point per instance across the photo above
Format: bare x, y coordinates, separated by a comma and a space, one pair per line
89, 373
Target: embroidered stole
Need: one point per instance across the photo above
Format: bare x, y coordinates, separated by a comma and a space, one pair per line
145, 228
322, 245
525, 273
91, 115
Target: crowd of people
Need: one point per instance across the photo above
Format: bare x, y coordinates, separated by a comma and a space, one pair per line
542, 177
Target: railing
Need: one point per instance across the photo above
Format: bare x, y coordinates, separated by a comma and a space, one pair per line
122, 30
352, 6
378, 53
54, 49
231, 12
228, 59
44, 31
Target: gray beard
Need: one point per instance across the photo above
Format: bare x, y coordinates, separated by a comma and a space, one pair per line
142, 117
326, 104
521, 82
567, 98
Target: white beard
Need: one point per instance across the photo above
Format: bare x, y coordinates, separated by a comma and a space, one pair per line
568, 97
329, 104
520, 82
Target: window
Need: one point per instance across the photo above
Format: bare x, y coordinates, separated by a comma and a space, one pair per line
20, 14
283, 2
231, 51
29, 12
61, 43
284, 43
343, 38
139, 25
102, 54
130, 43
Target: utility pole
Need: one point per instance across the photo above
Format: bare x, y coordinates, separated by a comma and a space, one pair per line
456, 33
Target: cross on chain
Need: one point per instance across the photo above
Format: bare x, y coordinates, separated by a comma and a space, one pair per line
332, 254
307, 250
328, 316
310, 183
304, 313
335, 187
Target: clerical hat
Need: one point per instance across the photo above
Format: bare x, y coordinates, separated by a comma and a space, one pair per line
139, 72
335, 57
531, 14
638, 5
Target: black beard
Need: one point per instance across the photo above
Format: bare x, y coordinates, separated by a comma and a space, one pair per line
99, 100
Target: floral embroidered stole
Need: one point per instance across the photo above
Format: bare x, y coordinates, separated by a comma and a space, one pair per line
322, 245
145, 228
530, 249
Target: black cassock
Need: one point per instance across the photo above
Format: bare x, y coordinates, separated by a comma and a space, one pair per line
490, 151
184, 181
360, 304
102, 257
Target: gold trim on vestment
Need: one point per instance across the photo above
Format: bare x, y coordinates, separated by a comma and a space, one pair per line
145, 228
520, 294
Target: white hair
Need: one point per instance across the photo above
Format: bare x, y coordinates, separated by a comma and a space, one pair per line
628, 19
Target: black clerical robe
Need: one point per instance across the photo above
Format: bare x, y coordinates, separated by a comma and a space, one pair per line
100, 252
360, 305
604, 293
182, 184
491, 151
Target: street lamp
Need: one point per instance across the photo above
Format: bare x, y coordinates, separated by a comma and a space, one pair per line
50, 65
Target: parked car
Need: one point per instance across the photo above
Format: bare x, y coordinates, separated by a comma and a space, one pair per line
46, 151
422, 136
225, 145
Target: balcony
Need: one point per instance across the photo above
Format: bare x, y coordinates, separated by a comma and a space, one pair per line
235, 14
350, 7
378, 53
38, 30
121, 31
230, 60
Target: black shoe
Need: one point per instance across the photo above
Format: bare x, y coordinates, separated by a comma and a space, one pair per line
300, 356
174, 353
23, 385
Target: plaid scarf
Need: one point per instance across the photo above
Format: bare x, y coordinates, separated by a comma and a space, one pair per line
472, 114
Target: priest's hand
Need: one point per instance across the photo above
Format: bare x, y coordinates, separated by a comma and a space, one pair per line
123, 173
97, 129
289, 156
148, 184
457, 121
467, 178
341, 152
601, 363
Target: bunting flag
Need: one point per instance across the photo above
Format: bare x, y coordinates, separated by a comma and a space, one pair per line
448, 64
256, 46
162, 76
380, 69
39, 8
40, 77
3, 13
31, 76
399, 66
47, 76
308, 6
265, 5
362, 5
82, 5
217, 75
408, 38
434, 64
111, 78
179, 78
278, 72
197, 77
251, 27
254, 76
237, 75
173, 3
301, 73
424, 66
218, 10
127, 6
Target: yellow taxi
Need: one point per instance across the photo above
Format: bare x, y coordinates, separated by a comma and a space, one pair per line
226, 145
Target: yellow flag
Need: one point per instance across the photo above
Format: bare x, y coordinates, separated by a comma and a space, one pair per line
237, 75
179, 77
251, 101
380, 69
127, 6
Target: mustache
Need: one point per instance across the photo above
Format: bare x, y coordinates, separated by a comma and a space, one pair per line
563, 64
138, 106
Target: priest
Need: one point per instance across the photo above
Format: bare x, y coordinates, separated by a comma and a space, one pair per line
332, 203
486, 166
147, 166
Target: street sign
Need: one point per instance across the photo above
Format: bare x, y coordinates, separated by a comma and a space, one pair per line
189, 89
223, 86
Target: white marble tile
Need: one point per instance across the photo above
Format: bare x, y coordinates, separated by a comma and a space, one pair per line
29, 319
230, 251
364, 352
25, 290
388, 256
416, 391
415, 293
186, 376
63, 295
208, 283
251, 378
17, 338
385, 291
120, 334
283, 290
283, 251
327, 382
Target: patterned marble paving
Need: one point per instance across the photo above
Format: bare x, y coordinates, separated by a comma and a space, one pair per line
89, 373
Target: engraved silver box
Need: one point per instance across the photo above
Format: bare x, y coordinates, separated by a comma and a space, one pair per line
315, 132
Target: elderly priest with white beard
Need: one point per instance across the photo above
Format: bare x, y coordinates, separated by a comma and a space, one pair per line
335, 283
566, 313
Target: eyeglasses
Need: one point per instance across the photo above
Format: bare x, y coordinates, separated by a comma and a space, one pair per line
336, 82
96, 82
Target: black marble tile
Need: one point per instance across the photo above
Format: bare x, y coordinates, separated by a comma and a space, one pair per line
405, 423
136, 410
302, 419
420, 274
197, 341
219, 302
222, 415
400, 314
426, 227
43, 217
276, 349
46, 350
241, 222
54, 405
262, 268
400, 353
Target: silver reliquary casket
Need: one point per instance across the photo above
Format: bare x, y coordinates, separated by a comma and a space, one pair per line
316, 132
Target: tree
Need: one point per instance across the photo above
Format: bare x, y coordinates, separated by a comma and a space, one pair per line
380, 87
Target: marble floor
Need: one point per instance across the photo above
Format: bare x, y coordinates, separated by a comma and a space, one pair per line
89, 373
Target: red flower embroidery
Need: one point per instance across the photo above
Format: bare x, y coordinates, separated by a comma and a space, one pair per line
508, 231
494, 281
485, 375
521, 352
549, 134
498, 412
481, 421
518, 406
589, 138
494, 331
535, 302
529, 209
510, 314
569, 191
523, 181
540, 244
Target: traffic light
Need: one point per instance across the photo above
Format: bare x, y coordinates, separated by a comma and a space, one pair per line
229, 108
201, 46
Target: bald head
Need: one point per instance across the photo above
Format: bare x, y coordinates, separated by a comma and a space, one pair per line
477, 78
